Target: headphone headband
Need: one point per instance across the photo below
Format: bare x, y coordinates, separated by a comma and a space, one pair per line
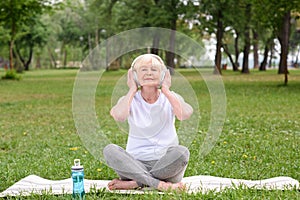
149, 54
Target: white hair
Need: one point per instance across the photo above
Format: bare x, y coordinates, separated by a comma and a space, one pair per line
155, 59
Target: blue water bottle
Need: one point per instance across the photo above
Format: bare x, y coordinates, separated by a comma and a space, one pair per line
77, 177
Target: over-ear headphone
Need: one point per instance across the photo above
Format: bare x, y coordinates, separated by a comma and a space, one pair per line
135, 78
163, 73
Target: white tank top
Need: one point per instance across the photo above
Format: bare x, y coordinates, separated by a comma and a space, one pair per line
151, 128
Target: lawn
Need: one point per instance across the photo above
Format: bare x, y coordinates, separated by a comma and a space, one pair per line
260, 137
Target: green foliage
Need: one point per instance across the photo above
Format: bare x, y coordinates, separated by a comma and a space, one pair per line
80, 25
11, 75
4, 35
15, 13
71, 24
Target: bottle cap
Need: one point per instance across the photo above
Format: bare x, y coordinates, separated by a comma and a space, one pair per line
77, 165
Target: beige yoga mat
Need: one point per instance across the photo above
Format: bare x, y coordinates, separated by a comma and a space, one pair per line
33, 184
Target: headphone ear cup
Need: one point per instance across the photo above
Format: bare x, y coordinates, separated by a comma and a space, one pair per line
135, 78
162, 77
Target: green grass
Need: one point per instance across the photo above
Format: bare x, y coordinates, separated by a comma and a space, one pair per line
260, 137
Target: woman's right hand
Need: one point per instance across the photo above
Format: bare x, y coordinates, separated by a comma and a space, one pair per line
121, 110
130, 81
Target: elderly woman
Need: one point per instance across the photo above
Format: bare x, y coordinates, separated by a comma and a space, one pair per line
153, 156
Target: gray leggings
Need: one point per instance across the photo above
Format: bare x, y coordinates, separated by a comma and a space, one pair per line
169, 168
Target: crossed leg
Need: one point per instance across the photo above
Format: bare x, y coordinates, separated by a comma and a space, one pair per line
133, 173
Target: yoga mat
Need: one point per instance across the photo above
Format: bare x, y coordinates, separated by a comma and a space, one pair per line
33, 184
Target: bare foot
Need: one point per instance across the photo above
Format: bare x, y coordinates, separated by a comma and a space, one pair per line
167, 186
118, 184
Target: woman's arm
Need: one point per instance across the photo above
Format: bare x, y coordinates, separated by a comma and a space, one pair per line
181, 109
120, 111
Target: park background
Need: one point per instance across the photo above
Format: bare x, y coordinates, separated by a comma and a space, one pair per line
254, 46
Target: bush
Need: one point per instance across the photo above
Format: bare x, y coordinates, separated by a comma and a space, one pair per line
11, 75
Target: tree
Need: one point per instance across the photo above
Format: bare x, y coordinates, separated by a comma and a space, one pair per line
4, 39
263, 31
14, 14
210, 16
284, 10
170, 22
295, 46
283, 37
149, 13
217, 18
255, 49
236, 20
268, 47
277, 15
51, 21
71, 31
247, 43
34, 34
240, 25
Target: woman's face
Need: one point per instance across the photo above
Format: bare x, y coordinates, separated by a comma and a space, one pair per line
148, 74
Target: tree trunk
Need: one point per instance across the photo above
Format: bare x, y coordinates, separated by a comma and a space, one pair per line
237, 52
170, 56
38, 62
263, 64
27, 63
245, 69
297, 55
271, 53
65, 58
155, 44
255, 50
170, 60
11, 45
229, 55
18, 62
90, 44
52, 57
218, 55
107, 60
96, 36
284, 42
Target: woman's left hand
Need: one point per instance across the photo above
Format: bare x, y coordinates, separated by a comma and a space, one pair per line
166, 83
